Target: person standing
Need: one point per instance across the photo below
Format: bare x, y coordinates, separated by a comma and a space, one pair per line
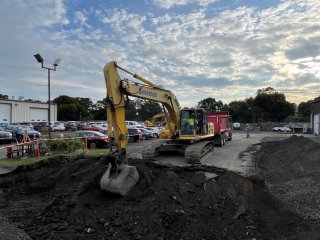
247, 130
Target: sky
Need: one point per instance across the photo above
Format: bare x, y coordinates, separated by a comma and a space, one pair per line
195, 48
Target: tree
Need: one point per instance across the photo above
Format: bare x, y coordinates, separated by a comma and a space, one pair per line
242, 111
31, 100
272, 106
99, 110
304, 110
210, 104
2, 96
131, 110
70, 108
86, 107
146, 109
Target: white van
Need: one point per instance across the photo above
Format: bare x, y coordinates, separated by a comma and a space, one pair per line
133, 124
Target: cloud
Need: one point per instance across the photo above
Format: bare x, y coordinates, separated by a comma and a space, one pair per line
302, 48
81, 18
167, 4
199, 51
246, 46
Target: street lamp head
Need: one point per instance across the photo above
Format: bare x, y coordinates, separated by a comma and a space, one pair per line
57, 62
39, 58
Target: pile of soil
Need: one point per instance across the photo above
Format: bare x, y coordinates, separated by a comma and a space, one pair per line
61, 199
291, 170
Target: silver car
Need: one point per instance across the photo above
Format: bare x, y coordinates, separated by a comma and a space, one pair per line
5, 136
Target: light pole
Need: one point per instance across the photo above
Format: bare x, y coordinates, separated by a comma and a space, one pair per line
55, 64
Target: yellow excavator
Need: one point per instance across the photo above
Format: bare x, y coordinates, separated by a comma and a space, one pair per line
188, 131
153, 121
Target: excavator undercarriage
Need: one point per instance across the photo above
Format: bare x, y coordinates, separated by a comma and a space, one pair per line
192, 153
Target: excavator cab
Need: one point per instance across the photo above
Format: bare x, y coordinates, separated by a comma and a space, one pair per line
193, 121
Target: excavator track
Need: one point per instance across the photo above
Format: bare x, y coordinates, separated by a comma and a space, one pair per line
196, 151
150, 152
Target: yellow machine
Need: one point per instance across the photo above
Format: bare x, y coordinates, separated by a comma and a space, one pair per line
152, 121
188, 130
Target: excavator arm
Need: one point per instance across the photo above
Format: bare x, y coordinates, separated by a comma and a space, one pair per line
119, 177
152, 121
118, 89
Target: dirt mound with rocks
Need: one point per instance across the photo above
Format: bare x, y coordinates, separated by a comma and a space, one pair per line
291, 170
61, 199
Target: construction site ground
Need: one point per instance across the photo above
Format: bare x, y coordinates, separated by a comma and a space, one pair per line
263, 187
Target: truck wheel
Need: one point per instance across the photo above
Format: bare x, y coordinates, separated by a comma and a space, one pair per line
224, 137
219, 140
230, 136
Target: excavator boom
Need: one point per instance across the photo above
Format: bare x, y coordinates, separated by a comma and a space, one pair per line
119, 177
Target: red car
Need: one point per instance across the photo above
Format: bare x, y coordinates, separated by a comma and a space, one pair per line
94, 139
92, 127
134, 134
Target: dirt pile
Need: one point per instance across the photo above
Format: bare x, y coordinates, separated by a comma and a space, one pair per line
292, 173
61, 199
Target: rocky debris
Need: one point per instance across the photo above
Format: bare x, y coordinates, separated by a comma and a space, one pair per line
291, 170
241, 210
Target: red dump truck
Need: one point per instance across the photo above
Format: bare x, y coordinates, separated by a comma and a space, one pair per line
222, 126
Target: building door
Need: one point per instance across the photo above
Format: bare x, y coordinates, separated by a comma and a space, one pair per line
5, 113
38, 115
316, 122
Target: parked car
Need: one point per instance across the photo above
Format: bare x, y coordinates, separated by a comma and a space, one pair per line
94, 139
11, 128
155, 131
3, 125
282, 129
105, 132
21, 130
146, 134
70, 126
58, 126
236, 126
5, 136
29, 124
93, 127
134, 134
133, 124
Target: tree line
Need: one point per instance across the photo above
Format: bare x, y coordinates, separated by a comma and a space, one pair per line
267, 105
83, 109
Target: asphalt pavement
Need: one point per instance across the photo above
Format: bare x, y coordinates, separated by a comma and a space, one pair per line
235, 156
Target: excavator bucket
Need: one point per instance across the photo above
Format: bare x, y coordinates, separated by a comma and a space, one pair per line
121, 181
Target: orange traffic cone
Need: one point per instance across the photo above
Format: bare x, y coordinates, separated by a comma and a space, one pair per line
86, 144
38, 151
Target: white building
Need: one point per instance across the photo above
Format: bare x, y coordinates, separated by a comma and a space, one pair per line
14, 111
315, 117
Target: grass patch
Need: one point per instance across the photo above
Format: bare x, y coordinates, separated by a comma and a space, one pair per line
15, 162
97, 151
